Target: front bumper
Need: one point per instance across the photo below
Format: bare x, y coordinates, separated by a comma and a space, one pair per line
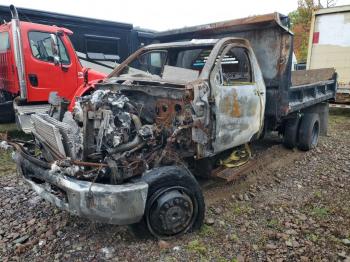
113, 204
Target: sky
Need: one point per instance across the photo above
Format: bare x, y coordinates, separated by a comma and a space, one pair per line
162, 14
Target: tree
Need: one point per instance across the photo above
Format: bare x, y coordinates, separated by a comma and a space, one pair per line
301, 22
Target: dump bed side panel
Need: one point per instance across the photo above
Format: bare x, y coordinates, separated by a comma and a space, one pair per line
306, 77
311, 87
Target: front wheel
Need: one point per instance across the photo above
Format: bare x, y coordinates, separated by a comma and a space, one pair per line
174, 206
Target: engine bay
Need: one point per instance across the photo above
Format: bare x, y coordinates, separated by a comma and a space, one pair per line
114, 135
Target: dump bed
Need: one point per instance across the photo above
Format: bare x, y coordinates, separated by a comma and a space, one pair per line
272, 42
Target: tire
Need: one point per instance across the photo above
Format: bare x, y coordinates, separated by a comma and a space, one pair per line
309, 131
174, 206
290, 135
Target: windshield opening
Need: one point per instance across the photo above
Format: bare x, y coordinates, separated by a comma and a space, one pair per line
177, 64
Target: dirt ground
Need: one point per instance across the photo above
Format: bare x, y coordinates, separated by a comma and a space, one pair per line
294, 206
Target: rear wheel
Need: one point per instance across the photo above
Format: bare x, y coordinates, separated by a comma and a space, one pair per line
7, 114
174, 206
290, 135
309, 131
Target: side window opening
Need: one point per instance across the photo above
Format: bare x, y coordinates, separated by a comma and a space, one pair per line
4, 41
153, 62
102, 48
40, 43
193, 59
236, 67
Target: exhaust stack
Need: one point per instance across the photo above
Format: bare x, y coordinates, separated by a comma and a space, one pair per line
16, 34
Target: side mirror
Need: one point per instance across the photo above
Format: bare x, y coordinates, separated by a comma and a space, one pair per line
55, 49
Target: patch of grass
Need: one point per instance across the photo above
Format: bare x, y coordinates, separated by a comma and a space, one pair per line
262, 240
273, 223
206, 231
170, 259
333, 239
339, 119
197, 247
242, 210
222, 259
233, 238
7, 165
8, 127
339, 112
320, 212
318, 194
312, 237
13, 132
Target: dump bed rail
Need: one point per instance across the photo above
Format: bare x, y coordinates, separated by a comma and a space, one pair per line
311, 87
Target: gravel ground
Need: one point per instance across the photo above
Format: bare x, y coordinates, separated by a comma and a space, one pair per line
294, 207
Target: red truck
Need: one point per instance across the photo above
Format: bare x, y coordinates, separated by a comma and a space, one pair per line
36, 60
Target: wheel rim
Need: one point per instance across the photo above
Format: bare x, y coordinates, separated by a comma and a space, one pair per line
172, 211
315, 131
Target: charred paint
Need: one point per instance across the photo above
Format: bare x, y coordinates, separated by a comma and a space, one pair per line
230, 105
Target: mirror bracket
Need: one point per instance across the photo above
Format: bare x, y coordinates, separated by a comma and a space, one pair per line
55, 49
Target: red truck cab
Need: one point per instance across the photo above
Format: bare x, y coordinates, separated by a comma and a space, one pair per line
36, 60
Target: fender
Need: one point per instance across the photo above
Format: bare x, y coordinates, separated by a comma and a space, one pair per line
91, 78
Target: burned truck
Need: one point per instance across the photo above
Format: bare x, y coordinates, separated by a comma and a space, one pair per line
129, 151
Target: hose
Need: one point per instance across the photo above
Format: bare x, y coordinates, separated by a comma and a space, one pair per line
135, 142
137, 122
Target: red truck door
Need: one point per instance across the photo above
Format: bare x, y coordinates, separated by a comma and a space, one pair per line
43, 73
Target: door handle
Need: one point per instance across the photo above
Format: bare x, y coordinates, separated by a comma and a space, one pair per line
258, 92
33, 79
64, 68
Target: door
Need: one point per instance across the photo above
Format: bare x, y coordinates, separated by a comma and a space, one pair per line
239, 93
8, 82
46, 73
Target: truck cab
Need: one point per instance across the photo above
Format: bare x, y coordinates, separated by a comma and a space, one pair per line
36, 60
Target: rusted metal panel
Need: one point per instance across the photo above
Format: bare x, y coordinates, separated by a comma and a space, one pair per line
235, 25
239, 108
305, 77
113, 204
271, 41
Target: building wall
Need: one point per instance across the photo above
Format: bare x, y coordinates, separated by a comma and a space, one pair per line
331, 45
